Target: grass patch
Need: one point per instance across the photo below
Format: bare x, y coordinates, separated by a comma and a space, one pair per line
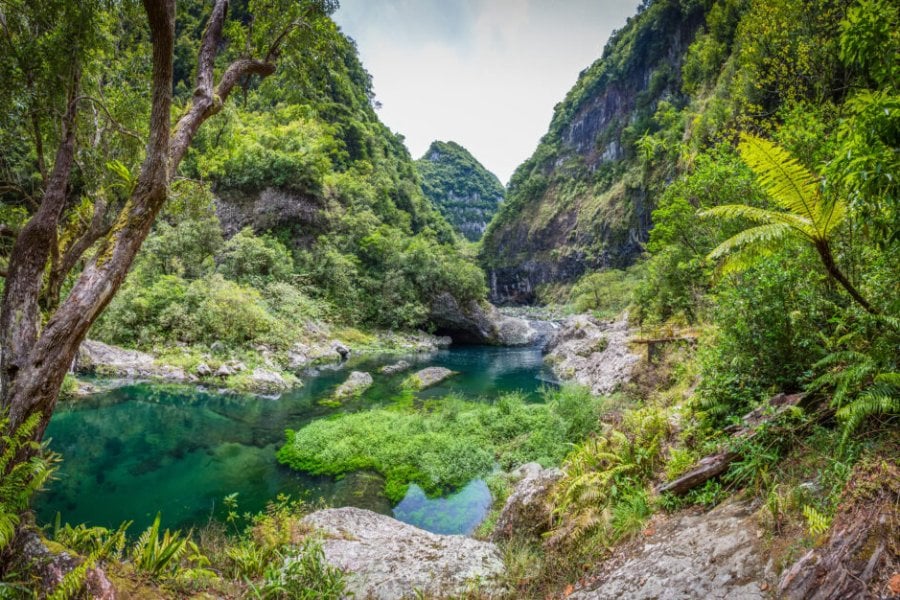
447, 442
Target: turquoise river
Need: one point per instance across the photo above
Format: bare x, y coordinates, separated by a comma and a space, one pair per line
145, 447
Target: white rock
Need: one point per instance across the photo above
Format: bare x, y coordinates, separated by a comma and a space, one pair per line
711, 555
387, 560
267, 381
203, 370
592, 353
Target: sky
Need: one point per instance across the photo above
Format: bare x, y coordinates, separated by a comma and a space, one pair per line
483, 73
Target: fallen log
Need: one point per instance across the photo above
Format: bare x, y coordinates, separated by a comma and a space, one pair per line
716, 464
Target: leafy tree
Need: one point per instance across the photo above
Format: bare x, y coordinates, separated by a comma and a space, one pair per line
248, 258
807, 213
36, 351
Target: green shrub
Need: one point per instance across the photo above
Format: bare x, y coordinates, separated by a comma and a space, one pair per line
303, 576
446, 445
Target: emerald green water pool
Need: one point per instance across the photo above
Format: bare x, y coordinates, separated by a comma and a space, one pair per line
142, 448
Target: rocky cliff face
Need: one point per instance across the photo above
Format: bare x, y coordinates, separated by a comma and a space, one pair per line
464, 191
583, 200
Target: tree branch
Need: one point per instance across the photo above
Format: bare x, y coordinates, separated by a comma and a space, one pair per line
207, 101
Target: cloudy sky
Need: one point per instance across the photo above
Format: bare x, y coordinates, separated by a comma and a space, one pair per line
483, 73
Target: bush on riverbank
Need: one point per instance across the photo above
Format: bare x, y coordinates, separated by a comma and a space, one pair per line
445, 444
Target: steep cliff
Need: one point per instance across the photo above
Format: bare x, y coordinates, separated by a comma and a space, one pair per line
464, 191
583, 200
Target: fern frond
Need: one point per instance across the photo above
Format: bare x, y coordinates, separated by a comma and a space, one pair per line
741, 252
759, 215
791, 185
882, 398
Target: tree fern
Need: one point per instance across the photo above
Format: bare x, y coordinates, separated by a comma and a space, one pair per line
805, 213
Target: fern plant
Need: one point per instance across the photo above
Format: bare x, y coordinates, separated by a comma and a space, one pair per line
880, 398
861, 385
20, 480
807, 214
163, 556
99, 542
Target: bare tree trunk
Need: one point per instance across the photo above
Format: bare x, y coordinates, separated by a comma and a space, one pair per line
827, 257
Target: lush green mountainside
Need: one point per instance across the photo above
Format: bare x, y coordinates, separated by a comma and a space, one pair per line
315, 196
582, 201
464, 191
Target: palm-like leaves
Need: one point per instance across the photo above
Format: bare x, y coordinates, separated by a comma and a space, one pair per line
792, 187
806, 213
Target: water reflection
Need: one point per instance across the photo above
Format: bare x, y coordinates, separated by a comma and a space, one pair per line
132, 451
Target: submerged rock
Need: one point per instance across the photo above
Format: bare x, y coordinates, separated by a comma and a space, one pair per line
527, 510
430, 376
592, 353
355, 385
385, 559
707, 555
397, 367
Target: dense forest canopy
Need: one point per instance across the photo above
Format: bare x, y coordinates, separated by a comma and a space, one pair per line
464, 191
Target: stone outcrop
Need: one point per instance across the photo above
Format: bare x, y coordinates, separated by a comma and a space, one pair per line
102, 359
706, 555
397, 367
268, 209
527, 510
386, 560
264, 380
592, 353
429, 376
859, 558
479, 323
52, 567
355, 384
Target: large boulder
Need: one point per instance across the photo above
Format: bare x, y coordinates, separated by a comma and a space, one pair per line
355, 384
429, 376
706, 555
479, 323
98, 358
52, 567
385, 559
592, 353
527, 510
266, 381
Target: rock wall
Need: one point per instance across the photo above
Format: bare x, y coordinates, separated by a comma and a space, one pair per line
271, 209
583, 201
